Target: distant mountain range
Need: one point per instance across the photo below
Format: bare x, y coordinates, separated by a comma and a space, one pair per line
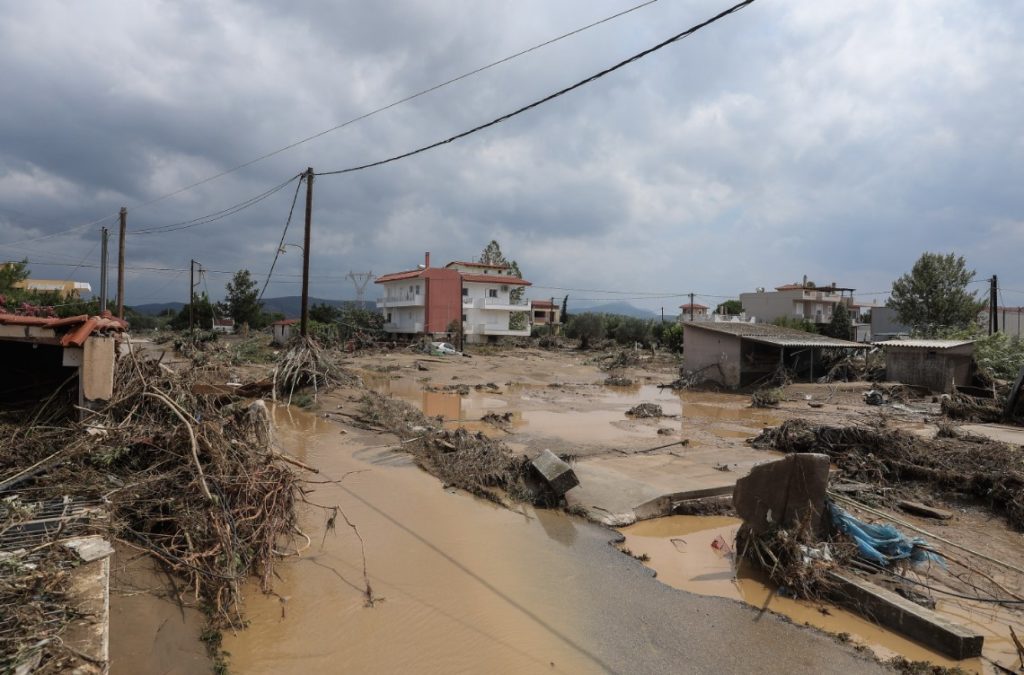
623, 308
290, 306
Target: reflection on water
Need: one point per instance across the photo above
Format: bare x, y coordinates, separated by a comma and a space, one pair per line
586, 414
681, 553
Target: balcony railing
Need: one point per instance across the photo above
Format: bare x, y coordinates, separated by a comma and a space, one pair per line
521, 302
400, 300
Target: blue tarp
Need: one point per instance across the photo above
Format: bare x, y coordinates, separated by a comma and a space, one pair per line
881, 544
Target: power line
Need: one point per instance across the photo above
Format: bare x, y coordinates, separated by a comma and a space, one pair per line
550, 97
280, 245
358, 118
216, 215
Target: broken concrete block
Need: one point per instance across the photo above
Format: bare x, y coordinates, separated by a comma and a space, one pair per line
557, 474
783, 493
90, 548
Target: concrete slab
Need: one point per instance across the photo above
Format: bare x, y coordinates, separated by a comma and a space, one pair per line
997, 432
618, 491
903, 616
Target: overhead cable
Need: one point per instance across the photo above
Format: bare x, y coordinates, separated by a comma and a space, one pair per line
550, 97
361, 117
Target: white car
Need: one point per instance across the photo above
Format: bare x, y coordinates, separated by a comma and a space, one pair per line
443, 349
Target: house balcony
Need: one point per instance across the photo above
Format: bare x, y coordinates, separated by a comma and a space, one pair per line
492, 329
402, 300
393, 327
505, 304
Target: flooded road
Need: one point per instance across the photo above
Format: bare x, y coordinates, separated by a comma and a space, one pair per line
680, 551
461, 585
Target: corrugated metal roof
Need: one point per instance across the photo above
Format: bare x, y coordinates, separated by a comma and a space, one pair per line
771, 334
925, 344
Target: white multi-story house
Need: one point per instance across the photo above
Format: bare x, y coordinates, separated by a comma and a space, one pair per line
487, 299
493, 301
807, 301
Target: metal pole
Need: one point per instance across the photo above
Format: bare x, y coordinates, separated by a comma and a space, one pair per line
691, 306
103, 270
120, 263
304, 327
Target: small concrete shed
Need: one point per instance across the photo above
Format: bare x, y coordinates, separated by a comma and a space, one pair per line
283, 330
939, 365
742, 354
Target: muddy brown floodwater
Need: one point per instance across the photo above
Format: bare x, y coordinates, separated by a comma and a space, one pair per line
681, 552
588, 416
462, 585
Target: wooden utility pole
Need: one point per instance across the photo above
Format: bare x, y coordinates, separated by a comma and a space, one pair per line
993, 305
691, 306
191, 295
120, 264
304, 326
104, 233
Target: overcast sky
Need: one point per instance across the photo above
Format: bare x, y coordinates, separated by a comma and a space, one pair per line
835, 139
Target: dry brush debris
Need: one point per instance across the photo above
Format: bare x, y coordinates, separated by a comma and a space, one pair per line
186, 478
979, 468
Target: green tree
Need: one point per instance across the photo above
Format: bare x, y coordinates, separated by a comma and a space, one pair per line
632, 329
673, 337
587, 328
202, 316
796, 323
840, 326
492, 255
11, 273
933, 296
242, 299
565, 310
729, 307
324, 313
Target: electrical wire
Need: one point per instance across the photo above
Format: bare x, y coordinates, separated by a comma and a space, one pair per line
550, 97
356, 119
280, 245
216, 215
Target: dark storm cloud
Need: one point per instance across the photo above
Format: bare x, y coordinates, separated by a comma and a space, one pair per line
834, 139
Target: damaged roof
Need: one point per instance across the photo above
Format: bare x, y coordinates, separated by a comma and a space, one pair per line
925, 344
771, 334
73, 330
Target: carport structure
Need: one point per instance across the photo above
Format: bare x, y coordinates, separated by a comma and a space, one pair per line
747, 353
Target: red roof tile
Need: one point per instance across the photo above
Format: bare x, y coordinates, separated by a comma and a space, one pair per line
398, 276
79, 328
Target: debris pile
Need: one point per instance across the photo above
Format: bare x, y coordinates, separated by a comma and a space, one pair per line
305, 364
645, 410
618, 381
473, 462
968, 466
186, 478
766, 398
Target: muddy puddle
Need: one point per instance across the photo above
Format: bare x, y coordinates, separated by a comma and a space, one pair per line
585, 414
682, 550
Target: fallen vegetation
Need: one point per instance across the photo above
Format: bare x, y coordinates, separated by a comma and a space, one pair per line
966, 466
472, 462
189, 479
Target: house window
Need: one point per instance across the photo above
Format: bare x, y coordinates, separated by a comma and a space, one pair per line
389, 317
463, 318
504, 289
465, 292
492, 292
417, 289
539, 315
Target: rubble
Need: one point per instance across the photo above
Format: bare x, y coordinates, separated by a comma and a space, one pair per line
980, 468
557, 474
645, 410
